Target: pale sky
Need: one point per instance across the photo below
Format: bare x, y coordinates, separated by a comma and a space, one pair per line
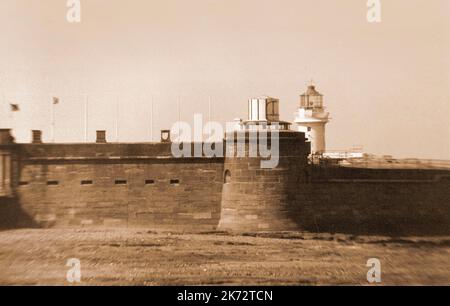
386, 84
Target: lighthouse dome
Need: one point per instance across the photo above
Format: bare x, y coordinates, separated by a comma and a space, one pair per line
311, 91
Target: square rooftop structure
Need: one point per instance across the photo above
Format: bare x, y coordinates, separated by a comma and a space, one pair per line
264, 108
264, 112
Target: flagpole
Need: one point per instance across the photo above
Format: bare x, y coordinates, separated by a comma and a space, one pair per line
10, 116
151, 119
13, 108
117, 118
209, 114
11, 120
179, 114
86, 104
13, 125
53, 121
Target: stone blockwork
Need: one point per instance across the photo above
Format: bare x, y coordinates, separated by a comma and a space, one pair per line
336, 200
142, 185
185, 196
261, 199
374, 201
118, 185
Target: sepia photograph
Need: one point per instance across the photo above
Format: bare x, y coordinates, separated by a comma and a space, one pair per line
225, 149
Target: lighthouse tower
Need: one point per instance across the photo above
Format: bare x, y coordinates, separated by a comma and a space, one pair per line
311, 119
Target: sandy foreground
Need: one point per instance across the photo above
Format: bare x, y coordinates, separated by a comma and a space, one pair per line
141, 257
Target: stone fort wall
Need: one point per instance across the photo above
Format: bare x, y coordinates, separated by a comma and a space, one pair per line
141, 185
379, 202
114, 185
376, 201
336, 199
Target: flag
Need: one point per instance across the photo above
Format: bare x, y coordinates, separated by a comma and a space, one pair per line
55, 100
14, 107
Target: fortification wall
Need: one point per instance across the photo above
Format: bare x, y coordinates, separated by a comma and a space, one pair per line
142, 185
256, 199
374, 201
112, 185
297, 196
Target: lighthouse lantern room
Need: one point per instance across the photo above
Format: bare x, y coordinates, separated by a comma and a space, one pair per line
311, 118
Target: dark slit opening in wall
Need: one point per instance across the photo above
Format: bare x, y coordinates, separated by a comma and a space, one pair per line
174, 182
121, 182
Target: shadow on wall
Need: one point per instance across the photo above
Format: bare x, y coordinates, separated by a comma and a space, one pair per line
417, 210
376, 226
12, 216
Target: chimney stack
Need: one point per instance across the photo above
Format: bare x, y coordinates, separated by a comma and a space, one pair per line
36, 136
101, 137
6, 137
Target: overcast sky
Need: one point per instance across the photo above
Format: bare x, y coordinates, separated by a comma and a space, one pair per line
387, 85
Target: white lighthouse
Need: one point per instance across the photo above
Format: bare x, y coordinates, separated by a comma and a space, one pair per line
311, 119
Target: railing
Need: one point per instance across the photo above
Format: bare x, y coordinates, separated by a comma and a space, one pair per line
360, 160
400, 163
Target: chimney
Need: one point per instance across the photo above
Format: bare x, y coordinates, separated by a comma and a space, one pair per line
36, 136
6, 137
165, 136
101, 137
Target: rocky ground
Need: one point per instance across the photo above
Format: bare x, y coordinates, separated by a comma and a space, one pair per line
139, 257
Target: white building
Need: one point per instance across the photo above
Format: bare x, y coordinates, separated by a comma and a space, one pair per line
311, 119
263, 113
264, 109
